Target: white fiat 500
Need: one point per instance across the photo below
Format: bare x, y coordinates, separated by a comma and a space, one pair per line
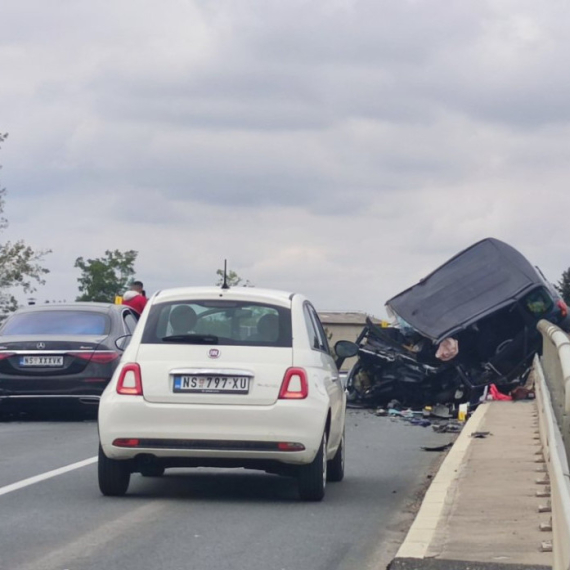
216, 377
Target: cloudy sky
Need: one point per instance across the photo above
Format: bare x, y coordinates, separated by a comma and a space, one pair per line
340, 148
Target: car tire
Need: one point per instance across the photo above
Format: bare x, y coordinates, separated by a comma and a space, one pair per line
152, 471
335, 469
312, 478
114, 475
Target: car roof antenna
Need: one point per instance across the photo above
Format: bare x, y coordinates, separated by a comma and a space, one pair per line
225, 283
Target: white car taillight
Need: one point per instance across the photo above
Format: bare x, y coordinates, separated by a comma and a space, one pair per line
130, 380
295, 385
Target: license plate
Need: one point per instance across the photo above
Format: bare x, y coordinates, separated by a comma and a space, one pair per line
45, 361
212, 384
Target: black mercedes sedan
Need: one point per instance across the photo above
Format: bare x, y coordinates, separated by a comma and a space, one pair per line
61, 354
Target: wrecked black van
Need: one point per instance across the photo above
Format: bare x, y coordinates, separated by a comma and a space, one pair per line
469, 323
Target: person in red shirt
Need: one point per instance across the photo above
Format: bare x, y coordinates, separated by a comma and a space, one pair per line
135, 297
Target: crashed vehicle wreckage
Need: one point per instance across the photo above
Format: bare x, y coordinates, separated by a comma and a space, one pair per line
470, 323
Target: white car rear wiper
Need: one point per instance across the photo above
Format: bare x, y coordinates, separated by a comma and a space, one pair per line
191, 338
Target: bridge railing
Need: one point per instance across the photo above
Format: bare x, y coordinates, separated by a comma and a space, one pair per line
552, 377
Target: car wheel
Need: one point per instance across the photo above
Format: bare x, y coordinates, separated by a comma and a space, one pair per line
152, 471
335, 470
114, 475
312, 478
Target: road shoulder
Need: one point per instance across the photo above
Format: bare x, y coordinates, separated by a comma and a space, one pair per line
482, 505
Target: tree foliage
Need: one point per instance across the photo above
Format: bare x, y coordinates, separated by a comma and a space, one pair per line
20, 265
104, 277
233, 279
563, 286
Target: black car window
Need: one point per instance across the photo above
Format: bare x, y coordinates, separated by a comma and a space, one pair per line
130, 321
321, 334
311, 330
317, 336
57, 322
221, 322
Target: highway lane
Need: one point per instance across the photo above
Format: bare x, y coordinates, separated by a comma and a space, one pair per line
28, 448
206, 519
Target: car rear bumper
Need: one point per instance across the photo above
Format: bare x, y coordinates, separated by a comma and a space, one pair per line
213, 433
81, 398
64, 387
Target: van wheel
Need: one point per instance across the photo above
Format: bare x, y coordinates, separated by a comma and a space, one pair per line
114, 475
335, 472
312, 478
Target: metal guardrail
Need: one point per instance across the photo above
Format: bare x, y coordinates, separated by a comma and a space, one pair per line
556, 365
553, 394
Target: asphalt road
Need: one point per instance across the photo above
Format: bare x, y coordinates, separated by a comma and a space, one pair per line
205, 519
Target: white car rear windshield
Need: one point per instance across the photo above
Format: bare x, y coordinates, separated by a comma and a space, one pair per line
218, 322
57, 322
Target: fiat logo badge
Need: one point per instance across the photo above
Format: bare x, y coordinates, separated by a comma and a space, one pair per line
214, 353
41, 345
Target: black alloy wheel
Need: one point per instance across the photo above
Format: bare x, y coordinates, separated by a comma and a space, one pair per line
114, 475
312, 478
335, 471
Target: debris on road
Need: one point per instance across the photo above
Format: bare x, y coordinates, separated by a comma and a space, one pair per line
480, 434
419, 422
440, 411
522, 393
449, 427
499, 396
443, 447
469, 324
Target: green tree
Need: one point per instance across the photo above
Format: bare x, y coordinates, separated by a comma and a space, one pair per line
104, 277
20, 265
563, 286
233, 279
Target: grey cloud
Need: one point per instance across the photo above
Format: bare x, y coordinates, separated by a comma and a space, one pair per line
360, 33
291, 65
347, 142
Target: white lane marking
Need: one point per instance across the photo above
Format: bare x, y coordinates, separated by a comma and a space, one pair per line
48, 475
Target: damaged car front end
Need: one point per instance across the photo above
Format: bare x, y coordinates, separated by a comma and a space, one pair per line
470, 323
